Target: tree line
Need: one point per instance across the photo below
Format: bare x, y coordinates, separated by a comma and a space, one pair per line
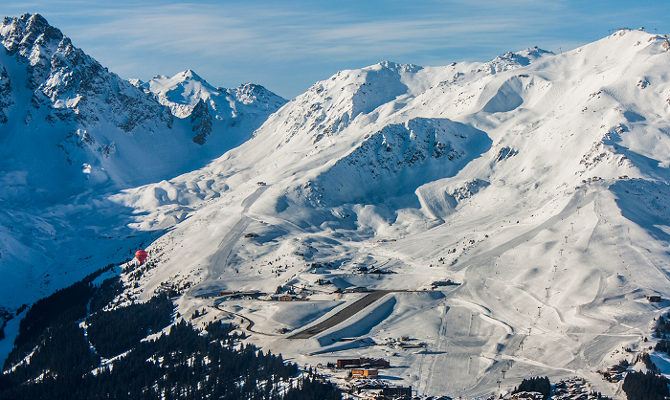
69, 334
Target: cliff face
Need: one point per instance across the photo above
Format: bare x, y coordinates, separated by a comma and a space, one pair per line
71, 83
202, 122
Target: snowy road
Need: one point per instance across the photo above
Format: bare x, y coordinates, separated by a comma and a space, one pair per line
250, 323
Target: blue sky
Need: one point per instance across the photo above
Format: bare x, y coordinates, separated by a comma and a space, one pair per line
288, 45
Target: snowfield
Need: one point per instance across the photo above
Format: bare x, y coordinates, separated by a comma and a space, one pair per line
537, 183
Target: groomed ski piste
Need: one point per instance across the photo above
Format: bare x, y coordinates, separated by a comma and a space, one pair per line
508, 219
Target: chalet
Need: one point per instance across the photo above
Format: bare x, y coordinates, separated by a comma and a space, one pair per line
284, 297
248, 294
448, 282
364, 373
348, 363
372, 394
379, 363
527, 396
381, 390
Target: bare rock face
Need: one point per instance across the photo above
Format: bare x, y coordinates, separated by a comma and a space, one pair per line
69, 119
5, 94
71, 83
82, 124
202, 122
397, 159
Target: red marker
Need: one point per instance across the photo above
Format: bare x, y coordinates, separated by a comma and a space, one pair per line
141, 255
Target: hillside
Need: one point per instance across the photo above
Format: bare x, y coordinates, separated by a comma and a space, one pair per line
536, 181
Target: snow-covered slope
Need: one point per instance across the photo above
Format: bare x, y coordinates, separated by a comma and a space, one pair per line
67, 112
537, 181
70, 132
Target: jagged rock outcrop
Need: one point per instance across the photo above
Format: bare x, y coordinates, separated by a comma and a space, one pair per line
71, 83
201, 120
5, 94
96, 130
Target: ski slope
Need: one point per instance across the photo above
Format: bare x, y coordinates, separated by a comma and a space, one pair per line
536, 181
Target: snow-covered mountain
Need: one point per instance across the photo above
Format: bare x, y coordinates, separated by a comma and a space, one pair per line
93, 128
72, 131
85, 123
233, 111
537, 181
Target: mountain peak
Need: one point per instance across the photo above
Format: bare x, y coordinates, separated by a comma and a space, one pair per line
184, 90
249, 93
36, 19
396, 67
190, 74
181, 92
20, 33
30, 21
511, 60
181, 79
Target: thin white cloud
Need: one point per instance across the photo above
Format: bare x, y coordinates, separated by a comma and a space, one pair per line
231, 39
278, 33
